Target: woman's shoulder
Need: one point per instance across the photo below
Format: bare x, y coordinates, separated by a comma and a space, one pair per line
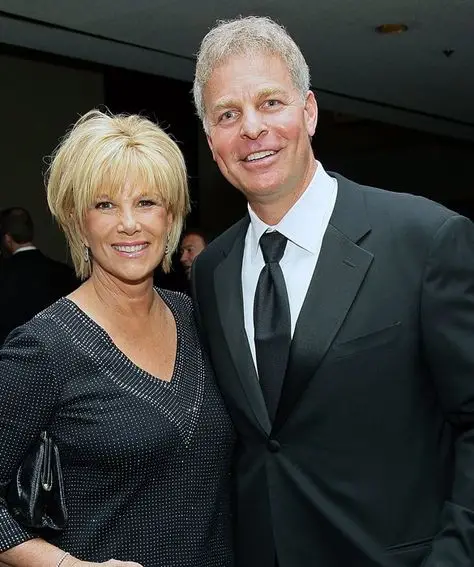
177, 299
48, 327
36, 349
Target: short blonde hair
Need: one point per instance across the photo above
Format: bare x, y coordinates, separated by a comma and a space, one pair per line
248, 35
97, 156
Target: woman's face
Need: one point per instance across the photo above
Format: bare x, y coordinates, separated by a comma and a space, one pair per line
127, 234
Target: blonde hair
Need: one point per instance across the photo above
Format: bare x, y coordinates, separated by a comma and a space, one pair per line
99, 154
246, 36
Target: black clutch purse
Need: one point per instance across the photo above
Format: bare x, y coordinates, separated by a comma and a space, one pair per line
35, 497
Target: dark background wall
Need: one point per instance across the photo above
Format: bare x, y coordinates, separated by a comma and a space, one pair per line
399, 159
38, 102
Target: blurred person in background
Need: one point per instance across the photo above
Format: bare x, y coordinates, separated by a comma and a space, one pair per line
193, 243
29, 280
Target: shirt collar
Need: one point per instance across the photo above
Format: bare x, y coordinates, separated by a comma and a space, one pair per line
299, 223
24, 249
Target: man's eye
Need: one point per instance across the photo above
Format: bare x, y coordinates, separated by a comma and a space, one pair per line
228, 115
272, 103
103, 205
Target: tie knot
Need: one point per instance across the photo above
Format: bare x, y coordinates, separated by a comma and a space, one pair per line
273, 246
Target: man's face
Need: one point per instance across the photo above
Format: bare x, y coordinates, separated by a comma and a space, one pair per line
259, 127
191, 246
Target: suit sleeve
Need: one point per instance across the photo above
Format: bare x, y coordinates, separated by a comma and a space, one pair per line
28, 396
447, 319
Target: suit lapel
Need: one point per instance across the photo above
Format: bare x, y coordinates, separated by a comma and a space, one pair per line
228, 286
339, 273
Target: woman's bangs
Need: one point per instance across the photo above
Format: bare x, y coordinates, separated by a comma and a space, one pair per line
129, 168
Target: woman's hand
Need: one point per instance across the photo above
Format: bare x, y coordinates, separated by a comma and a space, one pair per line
110, 563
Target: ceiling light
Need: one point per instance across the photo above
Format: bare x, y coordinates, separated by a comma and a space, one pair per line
391, 29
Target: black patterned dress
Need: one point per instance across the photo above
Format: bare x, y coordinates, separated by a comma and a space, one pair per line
146, 462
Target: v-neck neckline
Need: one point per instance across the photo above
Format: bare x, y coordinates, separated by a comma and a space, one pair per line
121, 355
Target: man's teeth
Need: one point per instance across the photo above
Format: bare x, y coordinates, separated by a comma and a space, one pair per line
259, 155
130, 249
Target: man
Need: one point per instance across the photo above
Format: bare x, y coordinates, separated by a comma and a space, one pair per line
192, 244
29, 280
340, 323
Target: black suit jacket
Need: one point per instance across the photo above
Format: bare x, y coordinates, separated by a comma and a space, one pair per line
29, 282
370, 460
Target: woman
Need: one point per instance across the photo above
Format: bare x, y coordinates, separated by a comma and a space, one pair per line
115, 372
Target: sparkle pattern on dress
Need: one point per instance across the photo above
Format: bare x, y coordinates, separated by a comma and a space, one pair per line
145, 462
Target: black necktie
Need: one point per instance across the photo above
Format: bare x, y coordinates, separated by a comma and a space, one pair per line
271, 316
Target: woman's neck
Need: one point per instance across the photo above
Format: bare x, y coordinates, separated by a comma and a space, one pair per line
106, 294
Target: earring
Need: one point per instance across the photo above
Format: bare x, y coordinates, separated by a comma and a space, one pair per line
167, 247
86, 253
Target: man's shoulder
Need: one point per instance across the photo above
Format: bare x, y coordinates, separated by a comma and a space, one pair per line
28, 260
61, 267
14, 267
33, 269
51, 266
398, 207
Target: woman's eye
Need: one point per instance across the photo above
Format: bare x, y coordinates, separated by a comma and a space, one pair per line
103, 205
146, 203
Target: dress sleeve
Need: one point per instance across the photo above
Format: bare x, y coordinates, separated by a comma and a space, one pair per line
28, 395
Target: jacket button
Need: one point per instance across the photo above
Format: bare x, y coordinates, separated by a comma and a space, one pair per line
273, 446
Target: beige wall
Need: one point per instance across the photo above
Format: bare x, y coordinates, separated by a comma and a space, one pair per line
38, 102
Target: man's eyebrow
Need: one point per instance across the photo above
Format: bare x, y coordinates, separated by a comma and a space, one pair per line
270, 91
228, 102
224, 103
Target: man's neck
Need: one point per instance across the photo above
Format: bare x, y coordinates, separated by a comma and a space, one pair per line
272, 210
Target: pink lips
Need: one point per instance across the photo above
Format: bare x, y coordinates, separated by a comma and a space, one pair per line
130, 249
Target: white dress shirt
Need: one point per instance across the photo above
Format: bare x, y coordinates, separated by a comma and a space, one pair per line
304, 226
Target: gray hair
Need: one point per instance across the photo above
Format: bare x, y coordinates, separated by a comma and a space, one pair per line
244, 36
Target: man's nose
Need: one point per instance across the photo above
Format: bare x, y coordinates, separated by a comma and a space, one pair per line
253, 124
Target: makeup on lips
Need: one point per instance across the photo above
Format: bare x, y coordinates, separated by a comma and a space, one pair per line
130, 249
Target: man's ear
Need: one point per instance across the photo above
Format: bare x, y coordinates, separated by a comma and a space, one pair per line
311, 113
8, 241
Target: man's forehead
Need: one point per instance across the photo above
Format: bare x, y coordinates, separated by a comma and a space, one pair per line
191, 239
238, 77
